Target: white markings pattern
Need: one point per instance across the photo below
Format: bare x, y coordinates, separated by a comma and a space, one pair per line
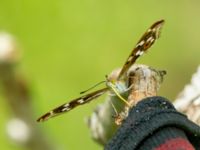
80, 101
139, 53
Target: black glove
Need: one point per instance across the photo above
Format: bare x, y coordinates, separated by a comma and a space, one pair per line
154, 124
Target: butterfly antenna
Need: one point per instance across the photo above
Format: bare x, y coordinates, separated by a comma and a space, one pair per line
92, 87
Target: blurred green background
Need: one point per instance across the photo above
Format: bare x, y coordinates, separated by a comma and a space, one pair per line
70, 45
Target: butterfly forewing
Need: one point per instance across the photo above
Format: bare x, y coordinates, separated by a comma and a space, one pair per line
72, 104
145, 42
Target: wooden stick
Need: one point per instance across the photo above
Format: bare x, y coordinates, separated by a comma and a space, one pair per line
142, 81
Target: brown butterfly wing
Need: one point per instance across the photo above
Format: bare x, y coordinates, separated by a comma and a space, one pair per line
145, 42
72, 104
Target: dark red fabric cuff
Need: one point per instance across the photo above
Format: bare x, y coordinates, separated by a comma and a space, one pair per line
175, 144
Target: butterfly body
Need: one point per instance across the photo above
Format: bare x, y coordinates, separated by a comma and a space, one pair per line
119, 84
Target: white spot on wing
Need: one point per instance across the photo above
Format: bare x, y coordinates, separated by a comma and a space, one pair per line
66, 105
66, 109
151, 39
139, 53
80, 101
130, 58
140, 44
51, 112
154, 29
149, 30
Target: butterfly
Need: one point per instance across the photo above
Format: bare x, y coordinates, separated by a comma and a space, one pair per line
114, 84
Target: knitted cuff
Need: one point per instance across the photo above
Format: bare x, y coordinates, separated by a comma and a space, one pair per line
150, 115
168, 138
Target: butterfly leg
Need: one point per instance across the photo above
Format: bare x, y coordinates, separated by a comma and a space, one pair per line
117, 93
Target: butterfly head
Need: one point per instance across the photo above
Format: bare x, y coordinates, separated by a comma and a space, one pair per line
112, 81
